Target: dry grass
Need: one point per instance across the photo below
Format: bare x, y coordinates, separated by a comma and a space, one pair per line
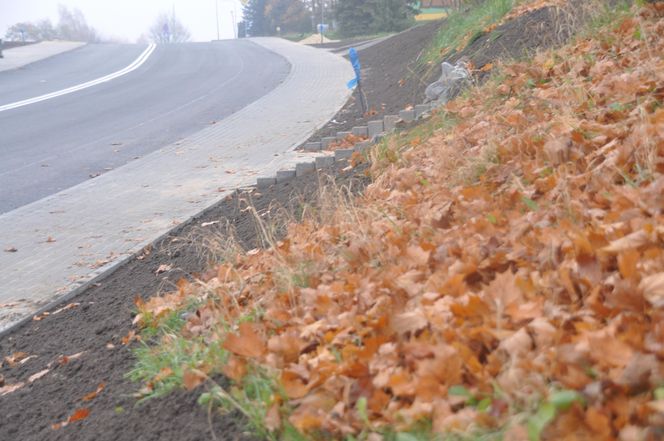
467, 287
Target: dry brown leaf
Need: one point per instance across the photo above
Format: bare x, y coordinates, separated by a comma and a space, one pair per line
92, 395
131, 336
609, 350
66, 308
247, 343
38, 375
78, 415
293, 385
14, 358
633, 240
163, 268
657, 406
411, 321
235, 368
653, 289
9, 388
192, 378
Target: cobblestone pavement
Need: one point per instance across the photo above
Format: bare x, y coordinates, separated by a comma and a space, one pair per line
64, 241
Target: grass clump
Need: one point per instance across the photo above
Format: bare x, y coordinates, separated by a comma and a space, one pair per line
464, 26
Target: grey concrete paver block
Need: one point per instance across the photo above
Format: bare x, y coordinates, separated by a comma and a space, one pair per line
325, 142
407, 115
324, 162
343, 154
342, 135
421, 109
285, 175
312, 146
390, 122
374, 128
360, 131
304, 168
265, 182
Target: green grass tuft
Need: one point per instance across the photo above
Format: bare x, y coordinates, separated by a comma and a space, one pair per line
465, 26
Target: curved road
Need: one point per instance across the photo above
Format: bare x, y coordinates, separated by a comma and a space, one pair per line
98, 224
48, 146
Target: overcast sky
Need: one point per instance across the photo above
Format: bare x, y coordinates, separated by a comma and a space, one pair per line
128, 19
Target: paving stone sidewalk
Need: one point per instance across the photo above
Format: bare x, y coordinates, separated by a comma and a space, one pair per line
66, 240
23, 55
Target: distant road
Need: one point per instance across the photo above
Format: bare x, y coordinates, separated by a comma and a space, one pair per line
51, 145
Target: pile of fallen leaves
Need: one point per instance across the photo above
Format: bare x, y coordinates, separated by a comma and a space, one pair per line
507, 273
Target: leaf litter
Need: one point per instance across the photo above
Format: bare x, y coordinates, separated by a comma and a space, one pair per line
505, 274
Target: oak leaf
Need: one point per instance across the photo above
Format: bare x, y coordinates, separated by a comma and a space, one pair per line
293, 385
247, 343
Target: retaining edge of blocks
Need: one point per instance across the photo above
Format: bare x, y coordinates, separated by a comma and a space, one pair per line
375, 130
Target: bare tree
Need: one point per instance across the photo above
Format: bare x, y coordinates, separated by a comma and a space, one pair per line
168, 29
73, 26
24, 31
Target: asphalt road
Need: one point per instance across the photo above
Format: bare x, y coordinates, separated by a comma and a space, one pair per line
52, 145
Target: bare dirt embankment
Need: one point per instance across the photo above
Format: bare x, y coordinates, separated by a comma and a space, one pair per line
394, 75
492, 249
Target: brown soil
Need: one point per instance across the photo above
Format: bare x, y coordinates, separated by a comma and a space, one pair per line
103, 317
393, 79
522, 36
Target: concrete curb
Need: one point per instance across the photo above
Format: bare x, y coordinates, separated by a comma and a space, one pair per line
389, 123
103, 273
174, 183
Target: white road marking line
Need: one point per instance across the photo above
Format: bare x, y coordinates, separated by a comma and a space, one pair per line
132, 67
117, 132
